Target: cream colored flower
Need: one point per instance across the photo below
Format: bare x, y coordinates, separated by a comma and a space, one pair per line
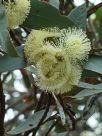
76, 43
51, 71
72, 79
16, 12
56, 73
55, 60
34, 46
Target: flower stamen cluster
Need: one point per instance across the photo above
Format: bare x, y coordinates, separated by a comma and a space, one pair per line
57, 61
16, 12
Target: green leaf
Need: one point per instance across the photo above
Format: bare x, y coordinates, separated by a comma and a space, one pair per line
8, 63
60, 109
89, 86
30, 123
5, 41
78, 16
94, 64
89, 89
3, 19
87, 92
99, 14
44, 15
7, 45
54, 3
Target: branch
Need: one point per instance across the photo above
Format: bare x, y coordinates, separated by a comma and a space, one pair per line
27, 30
5, 76
45, 114
95, 50
2, 109
88, 111
12, 105
69, 112
61, 6
40, 102
15, 37
90, 103
53, 117
93, 9
34, 130
52, 126
21, 112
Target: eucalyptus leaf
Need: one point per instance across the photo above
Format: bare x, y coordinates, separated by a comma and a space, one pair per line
8, 63
54, 3
89, 89
99, 14
3, 19
78, 16
94, 64
60, 109
30, 123
44, 15
89, 86
5, 41
7, 45
87, 92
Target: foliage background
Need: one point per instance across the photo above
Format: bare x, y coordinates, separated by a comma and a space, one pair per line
83, 106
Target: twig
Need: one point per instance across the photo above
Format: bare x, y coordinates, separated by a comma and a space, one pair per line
15, 37
27, 30
87, 3
21, 112
52, 126
2, 109
61, 6
5, 77
69, 112
67, 2
42, 119
56, 116
45, 114
94, 9
16, 102
49, 119
87, 112
39, 104
91, 28
89, 105
95, 50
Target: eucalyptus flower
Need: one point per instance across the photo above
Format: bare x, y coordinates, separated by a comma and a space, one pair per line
16, 11
57, 73
35, 46
56, 61
76, 43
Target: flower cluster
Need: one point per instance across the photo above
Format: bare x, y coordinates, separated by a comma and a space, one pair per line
16, 11
57, 55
